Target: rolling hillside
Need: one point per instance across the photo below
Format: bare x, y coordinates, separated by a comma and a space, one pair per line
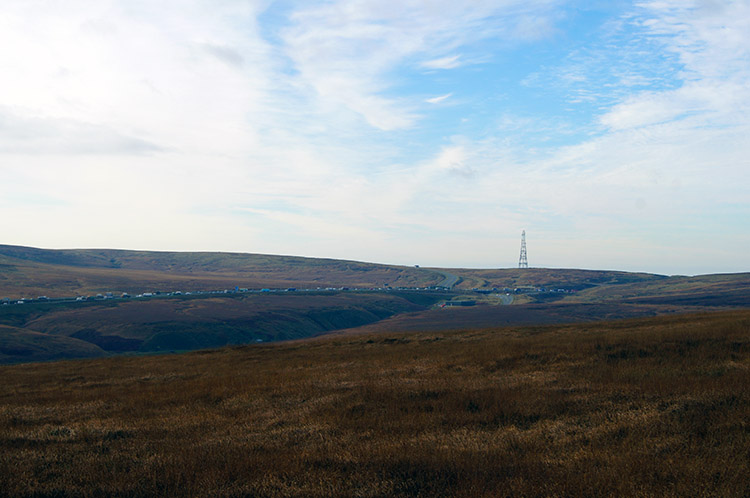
571, 279
31, 272
702, 290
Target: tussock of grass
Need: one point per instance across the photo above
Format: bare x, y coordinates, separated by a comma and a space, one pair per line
654, 407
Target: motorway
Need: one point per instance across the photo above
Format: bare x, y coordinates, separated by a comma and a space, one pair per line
211, 293
449, 279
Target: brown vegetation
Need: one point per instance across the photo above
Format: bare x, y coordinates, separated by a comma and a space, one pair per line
43, 331
23, 345
730, 289
566, 278
482, 316
647, 407
30, 272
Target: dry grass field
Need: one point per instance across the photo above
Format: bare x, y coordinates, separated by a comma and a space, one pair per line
643, 407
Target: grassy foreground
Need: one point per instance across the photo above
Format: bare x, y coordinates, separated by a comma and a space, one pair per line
648, 407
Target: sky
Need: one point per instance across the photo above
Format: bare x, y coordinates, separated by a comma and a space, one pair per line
615, 133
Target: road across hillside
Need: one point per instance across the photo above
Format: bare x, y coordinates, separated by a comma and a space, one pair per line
449, 279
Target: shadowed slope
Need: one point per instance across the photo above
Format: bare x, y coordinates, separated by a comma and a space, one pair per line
196, 322
24, 345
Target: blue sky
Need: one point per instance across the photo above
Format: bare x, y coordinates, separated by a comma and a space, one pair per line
617, 134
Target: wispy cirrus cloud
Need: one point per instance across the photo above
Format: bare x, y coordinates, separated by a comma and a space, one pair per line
448, 62
709, 42
438, 99
345, 54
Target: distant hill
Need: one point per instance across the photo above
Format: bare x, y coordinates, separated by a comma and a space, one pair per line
730, 289
565, 278
31, 272
178, 262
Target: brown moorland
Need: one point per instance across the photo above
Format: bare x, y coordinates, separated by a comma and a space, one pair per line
30, 272
595, 286
56, 330
567, 278
641, 407
482, 316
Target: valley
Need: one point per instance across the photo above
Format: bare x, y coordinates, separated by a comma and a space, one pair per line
97, 303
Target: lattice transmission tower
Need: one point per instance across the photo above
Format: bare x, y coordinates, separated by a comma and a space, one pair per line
523, 262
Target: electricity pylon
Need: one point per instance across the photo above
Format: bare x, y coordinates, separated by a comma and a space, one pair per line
522, 261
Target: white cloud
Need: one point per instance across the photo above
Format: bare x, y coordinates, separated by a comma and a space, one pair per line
29, 134
134, 69
448, 62
224, 53
712, 43
437, 100
345, 51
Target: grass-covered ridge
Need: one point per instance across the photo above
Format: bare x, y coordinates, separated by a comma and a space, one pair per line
567, 278
31, 272
648, 407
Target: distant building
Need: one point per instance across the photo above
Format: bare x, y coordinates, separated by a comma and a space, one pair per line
459, 303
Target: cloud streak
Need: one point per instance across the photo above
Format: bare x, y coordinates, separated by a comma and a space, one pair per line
53, 136
448, 62
437, 100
